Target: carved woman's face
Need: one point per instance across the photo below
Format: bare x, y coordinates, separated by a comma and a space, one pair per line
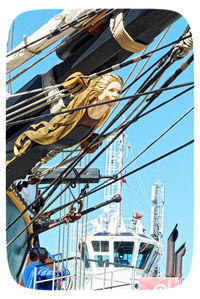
112, 91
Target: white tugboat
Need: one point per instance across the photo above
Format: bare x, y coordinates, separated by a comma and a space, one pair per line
117, 251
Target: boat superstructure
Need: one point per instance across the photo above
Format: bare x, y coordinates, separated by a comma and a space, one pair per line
119, 259
116, 251
110, 251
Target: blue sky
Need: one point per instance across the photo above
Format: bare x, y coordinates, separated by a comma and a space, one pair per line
175, 172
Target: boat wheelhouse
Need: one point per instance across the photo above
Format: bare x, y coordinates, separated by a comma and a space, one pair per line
118, 258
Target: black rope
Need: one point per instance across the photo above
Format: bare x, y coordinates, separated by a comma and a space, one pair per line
143, 166
122, 129
56, 209
166, 102
74, 163
79, 157
95, 75
159, 137
160, 59
123, 64
58, 180
152, 143
99, 104
132, 172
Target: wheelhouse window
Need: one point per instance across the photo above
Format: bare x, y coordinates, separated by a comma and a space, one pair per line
100, 246
155, 254
143, 254
101, 260
123, 252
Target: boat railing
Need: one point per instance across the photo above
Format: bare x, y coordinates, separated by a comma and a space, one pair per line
76, 280
57, 280
105, 282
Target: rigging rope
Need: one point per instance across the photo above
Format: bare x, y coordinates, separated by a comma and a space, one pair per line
46, 103
40, 213
166, 131
73, 164
113, 68
120, 133
99, 104
147, 164
154, 140
89, 193
122, 129
158, 76
50, 169
41, 176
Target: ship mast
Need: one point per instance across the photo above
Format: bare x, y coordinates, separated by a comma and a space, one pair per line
114, 164
157, 210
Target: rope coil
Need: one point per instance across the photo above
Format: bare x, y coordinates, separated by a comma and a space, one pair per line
121, 35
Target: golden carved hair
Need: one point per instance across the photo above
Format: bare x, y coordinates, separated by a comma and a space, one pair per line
95, 88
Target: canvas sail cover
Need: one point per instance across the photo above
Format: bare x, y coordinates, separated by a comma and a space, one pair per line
65, 17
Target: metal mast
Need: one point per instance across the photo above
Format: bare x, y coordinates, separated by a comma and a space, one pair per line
114, 164
157, 210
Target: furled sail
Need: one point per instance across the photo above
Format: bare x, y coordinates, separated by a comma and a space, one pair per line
66, 16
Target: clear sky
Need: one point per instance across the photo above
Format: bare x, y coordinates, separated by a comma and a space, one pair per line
175, 171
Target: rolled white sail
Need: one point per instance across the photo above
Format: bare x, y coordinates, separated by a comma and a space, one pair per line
63, 18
